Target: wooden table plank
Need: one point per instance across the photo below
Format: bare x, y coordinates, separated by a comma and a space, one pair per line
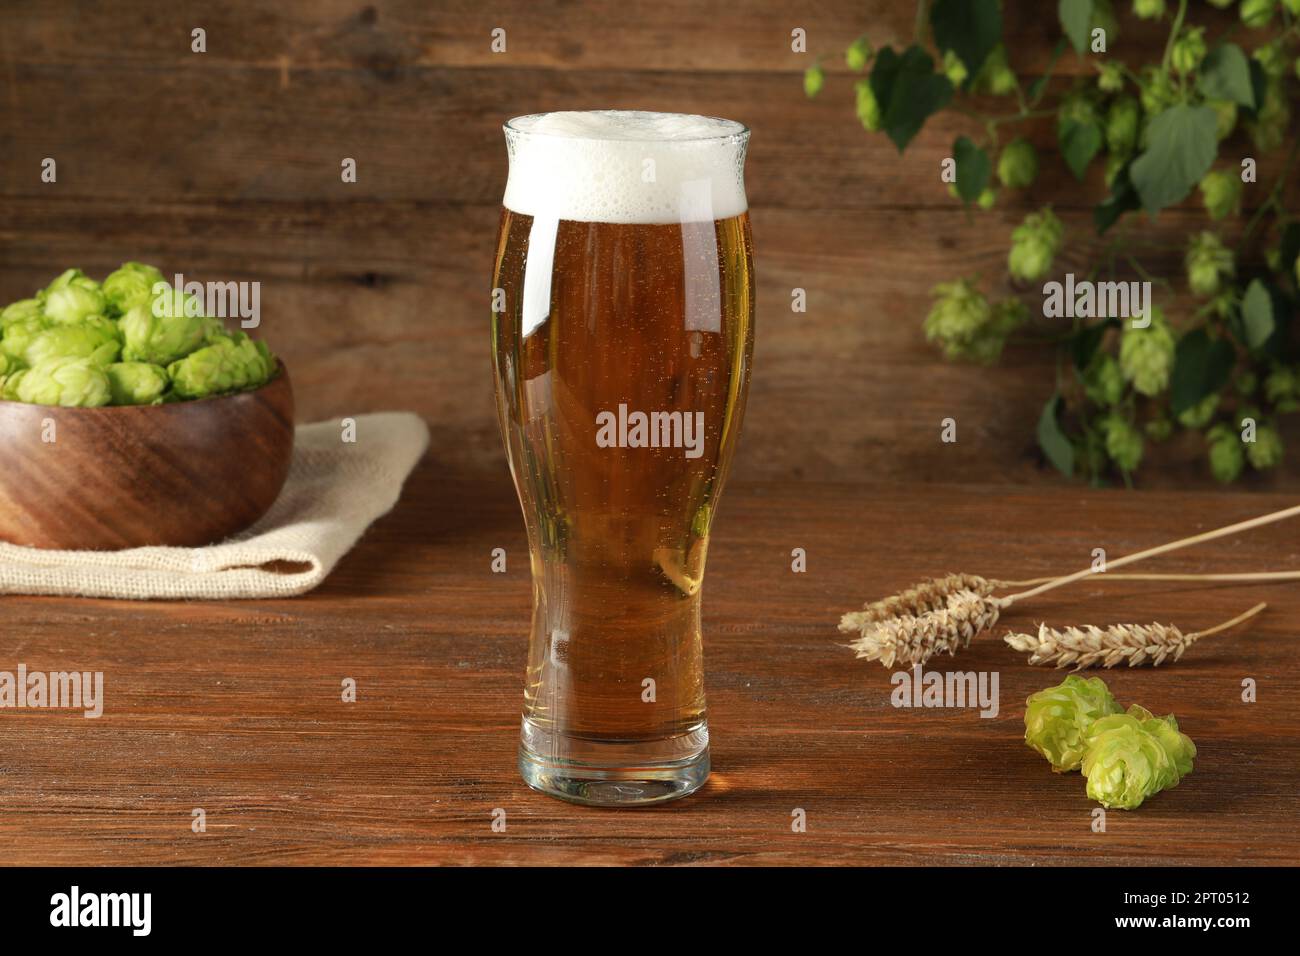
234, 707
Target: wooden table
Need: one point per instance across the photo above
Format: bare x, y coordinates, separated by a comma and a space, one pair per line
236, 708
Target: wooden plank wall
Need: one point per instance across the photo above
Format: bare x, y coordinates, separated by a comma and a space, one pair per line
226, 165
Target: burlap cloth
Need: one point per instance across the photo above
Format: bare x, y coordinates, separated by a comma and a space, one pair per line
335, 490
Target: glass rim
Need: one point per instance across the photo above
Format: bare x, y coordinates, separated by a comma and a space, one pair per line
741, 131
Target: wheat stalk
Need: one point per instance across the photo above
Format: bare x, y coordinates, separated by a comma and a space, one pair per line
1090, 646
946, 613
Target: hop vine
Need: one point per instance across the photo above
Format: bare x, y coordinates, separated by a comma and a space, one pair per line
1200, 126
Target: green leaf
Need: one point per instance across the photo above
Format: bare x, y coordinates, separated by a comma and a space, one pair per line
970, 28
908, 91
1052, 440
1085, 342
1257, 315
973, 169
1201, 367
1123, 198
1225, 75
1079, 143
1181, 148
1076, 19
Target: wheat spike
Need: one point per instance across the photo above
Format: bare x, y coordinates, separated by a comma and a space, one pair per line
1089, 646
911, 639
932, 595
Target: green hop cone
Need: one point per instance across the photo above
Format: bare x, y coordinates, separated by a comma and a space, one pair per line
1257, 13
1266, 450
68, 277
9, 366
22, 310
1125, 763
987, 198
1227, 458
1149, 9
1221, 192
954, 68
1103, 381
1189, 50
964, 323
1124, 442
95, 339
130, 285
959, 312
1146, 355
1208, 263
1122, 121
996, 76
858, 53
73, 303
1177, 744
1200, 414
1282, 384
813, 80
18, 336
1018, 164
70, 382
1158, 92
9, 385
866, 106
228, 365
1110, 77
1268, 129
160, 339
1057, 719
1225, 117
1034, 244
1271, 58
137, 383
1080, 108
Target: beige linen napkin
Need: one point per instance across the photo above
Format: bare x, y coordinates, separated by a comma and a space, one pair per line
335, 490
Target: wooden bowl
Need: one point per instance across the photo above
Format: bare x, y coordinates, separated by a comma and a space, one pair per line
186, 475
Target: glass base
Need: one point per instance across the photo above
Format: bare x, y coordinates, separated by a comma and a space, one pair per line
617, 773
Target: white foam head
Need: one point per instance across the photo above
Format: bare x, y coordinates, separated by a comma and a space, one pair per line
626, 166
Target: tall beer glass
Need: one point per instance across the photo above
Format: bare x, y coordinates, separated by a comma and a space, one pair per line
622, 335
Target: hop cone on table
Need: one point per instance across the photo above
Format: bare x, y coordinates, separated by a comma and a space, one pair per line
1057, 719
1133, 756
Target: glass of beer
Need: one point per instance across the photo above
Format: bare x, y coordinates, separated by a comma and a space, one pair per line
622, 337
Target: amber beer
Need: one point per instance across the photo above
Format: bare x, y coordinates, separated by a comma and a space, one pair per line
622, 333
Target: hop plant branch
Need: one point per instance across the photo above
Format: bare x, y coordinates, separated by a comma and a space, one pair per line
1127, 390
